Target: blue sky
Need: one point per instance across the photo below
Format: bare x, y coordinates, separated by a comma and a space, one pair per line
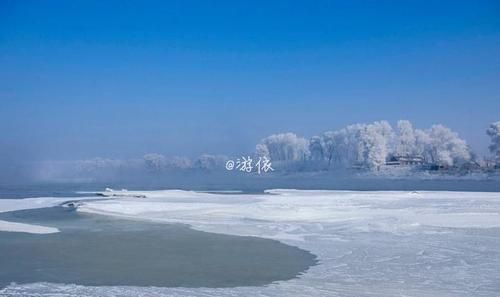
80, 79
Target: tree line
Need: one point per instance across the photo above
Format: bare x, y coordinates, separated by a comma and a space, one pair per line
373, 145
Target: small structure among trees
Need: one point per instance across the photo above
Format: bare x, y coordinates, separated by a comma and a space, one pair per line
405, 161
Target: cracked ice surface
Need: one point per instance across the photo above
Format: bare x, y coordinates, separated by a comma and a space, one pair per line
368, 243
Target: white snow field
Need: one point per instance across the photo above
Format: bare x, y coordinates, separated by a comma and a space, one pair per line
368, 243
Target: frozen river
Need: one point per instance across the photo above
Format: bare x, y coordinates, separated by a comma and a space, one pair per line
393, 243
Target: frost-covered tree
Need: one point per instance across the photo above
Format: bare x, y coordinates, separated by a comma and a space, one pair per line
155, 162
261, 150
179, 163
405, 144
332, 142
351, 147
445, 147
494, 133
329, 145
358, 144
375, 140
210, 162
286, 147
422, 144
316, 149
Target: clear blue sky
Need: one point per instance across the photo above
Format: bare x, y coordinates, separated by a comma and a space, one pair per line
80, 79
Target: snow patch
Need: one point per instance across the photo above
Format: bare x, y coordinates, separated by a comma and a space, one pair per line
7, 205
26, 228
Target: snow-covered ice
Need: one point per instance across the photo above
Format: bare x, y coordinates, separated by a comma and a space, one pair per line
368, 243
27, 228
28, 203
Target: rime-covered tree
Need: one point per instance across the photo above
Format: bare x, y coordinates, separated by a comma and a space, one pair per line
316, 148
375, 139
358, 144
405, 144
422, 144
179, 163
210, 162
286, 147
261, 150
155, 162
352, 148
445, 147
494, 133
332, 145
369, 145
